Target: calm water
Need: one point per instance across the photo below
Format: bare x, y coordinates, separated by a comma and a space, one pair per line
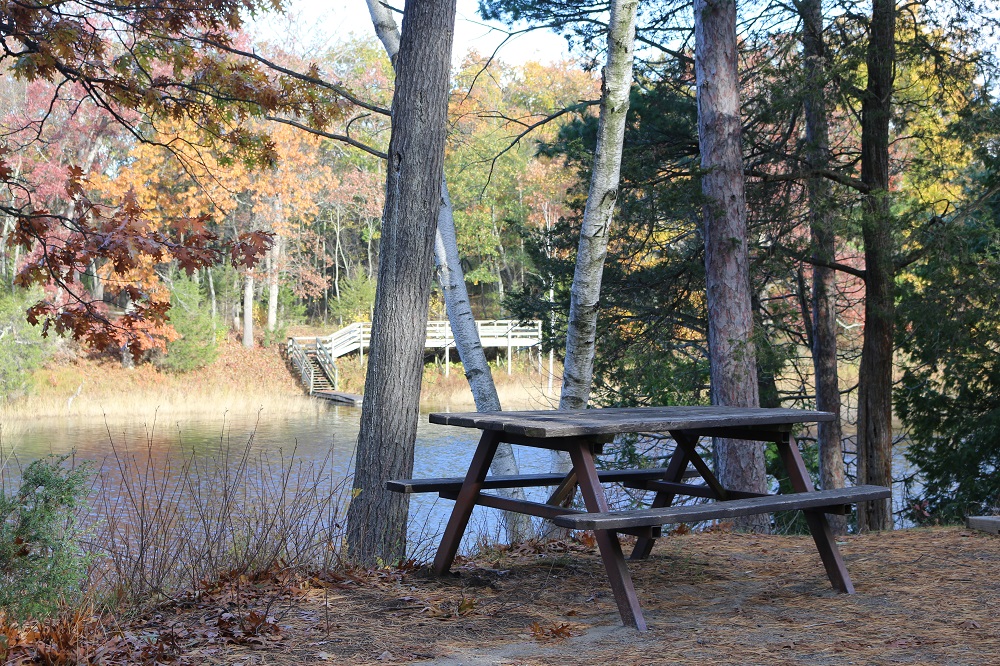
328, 436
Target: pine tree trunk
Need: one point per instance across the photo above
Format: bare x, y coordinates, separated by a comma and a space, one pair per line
459, 308
739, 465
875, 374
824, 314
585, 294
377, 518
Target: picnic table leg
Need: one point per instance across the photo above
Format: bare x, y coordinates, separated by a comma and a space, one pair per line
826, 543
465, 501
607, 540
675, 473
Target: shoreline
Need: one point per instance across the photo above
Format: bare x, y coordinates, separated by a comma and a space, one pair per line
240, 381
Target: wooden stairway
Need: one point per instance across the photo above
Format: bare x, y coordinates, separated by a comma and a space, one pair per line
320, 381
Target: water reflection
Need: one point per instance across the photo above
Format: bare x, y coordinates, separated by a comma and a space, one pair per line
324, 437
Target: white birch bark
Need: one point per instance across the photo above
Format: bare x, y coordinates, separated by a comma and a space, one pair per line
274, 259
456, 299
248, 311
586, 290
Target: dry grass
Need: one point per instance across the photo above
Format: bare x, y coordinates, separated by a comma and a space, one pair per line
240, 381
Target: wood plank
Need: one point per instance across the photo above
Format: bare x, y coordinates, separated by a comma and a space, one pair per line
607, 541
338, 396
547, 511
989, 524
465, 502
453, 484
688, 489
722, 510
576, 422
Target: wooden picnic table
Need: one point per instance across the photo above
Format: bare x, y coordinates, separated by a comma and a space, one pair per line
582, 433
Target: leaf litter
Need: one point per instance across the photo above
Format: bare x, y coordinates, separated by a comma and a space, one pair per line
924, 596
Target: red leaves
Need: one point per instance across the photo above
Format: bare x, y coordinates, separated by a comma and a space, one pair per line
249, 247
62, 248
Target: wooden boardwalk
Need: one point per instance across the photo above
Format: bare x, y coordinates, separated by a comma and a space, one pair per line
315, 358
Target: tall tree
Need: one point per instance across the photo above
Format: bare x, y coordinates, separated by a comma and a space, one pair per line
739, 465
581, 335
875, 373
376, 521
459, 308
823, 237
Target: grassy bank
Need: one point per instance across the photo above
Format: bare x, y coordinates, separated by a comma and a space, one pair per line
240, 381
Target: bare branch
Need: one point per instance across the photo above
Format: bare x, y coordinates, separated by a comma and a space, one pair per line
328, 135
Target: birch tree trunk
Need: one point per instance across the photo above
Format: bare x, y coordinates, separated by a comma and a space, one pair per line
824, 314
585, 292
875, 374
274, 261
211, 296
248, 311
456, 299
376, 519
739, 464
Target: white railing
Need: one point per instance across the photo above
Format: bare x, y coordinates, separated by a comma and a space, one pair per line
300, 360
356, 337
492, 333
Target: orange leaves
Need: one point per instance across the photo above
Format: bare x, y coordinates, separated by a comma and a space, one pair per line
63, 248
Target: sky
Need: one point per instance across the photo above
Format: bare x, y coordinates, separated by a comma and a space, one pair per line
326, 21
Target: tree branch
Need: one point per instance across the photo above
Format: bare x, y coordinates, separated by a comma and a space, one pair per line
829, 174
328, 135
270, 64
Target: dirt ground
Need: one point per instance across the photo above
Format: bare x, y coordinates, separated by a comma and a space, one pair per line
924, 596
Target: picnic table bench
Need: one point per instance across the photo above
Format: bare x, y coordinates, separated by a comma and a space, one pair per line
583, 433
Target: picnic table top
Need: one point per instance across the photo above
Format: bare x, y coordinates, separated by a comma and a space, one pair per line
614, 420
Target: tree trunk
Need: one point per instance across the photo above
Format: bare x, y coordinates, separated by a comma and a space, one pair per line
248, 311
211, 295
376, 520
875, 374
585, 294
824, 314
274, 260
739, 464
459, 308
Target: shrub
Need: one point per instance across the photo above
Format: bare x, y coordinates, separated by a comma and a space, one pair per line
197, 346
41, 561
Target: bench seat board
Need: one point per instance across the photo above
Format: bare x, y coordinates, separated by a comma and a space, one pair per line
453, 484
816, 500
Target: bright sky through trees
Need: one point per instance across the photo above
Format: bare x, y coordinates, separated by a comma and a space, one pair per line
325, 21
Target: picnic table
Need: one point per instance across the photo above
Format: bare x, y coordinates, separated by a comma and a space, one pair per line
583, 433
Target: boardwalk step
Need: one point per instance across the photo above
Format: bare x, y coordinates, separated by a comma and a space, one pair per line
817, 500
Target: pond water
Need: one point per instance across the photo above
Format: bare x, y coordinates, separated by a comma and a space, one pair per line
327, 437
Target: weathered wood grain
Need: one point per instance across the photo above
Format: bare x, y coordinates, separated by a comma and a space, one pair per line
816, 500
989, 524
577, 422
453, 484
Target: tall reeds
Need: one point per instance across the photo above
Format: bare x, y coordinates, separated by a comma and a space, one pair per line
164, 526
